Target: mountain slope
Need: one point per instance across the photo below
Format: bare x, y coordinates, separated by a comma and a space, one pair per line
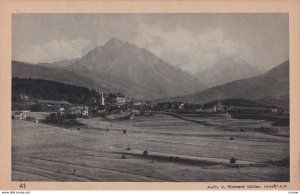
85, 78
21, 70
227, 70
271, 87
136, 67
60, 64
51, 90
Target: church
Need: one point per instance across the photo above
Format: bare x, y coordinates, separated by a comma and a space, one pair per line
101, 108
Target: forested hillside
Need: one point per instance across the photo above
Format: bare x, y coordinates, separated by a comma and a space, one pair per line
34, 89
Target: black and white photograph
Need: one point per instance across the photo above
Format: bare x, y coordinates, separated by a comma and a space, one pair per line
150, 97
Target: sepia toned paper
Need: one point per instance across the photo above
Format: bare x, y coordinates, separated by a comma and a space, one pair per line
8, 8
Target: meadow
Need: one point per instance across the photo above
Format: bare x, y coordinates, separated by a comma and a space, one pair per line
158, 148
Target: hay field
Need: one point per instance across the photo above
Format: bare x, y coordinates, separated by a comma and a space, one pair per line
178, 150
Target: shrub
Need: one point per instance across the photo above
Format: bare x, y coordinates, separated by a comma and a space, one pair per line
52, 118
29, 118
70, 116
145, 153
60, 120
233, 160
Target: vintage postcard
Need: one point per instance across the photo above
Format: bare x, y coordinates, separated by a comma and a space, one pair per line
150, 95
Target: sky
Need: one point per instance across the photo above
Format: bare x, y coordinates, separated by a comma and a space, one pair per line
193, 41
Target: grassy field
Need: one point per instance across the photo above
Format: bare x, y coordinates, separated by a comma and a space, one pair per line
178, 150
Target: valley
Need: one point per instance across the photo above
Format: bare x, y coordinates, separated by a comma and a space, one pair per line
121, 114
177, 150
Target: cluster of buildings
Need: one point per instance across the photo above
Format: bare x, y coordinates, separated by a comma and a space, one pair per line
118, 104
215, 107
106, 105
181, 107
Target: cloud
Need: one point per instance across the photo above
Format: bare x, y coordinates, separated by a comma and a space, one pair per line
54, 50
192, 51
189, 50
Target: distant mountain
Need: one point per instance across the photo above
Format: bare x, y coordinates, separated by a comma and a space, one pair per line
227, 70
118, 66
142, 74
269, 88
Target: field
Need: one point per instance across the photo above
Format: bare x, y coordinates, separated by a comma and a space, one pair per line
178, 150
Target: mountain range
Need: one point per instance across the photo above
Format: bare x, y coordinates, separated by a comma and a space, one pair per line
227, 70
117, 66
268, 88
123, 67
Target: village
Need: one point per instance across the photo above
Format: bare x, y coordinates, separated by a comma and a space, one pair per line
113, 106
118, 107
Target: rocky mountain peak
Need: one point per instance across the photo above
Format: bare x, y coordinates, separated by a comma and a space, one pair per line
114, 42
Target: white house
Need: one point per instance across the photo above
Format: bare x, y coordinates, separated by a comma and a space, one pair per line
22, 115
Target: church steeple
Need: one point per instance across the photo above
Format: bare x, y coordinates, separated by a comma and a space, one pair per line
102, 100
101, 108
